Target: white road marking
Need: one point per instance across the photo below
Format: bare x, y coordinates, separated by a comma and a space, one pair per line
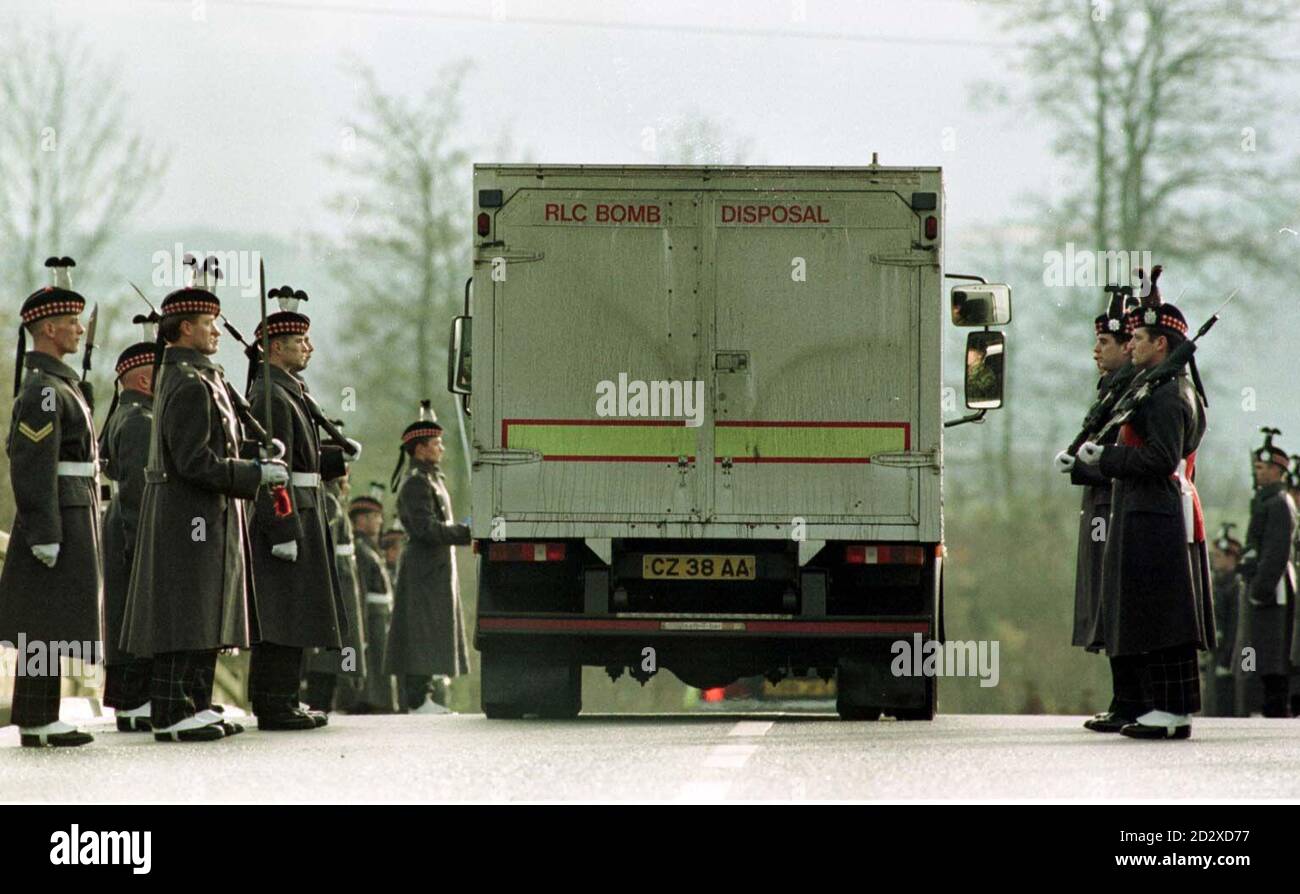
701, 790
725, 756
729, 757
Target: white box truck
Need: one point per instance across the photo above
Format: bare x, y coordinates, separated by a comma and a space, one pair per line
706, 429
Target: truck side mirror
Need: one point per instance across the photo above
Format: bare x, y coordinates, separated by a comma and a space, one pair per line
459, 355
985, 369
983, 304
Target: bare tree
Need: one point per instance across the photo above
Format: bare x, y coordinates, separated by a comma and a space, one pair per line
72, 168
404, 252
1161, 106
694, 138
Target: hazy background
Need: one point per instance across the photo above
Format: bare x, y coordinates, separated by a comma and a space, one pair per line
334, 137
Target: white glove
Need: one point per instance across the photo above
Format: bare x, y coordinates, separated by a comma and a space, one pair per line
286, 551
274, 473
355, 453
1063, 461
46, 553
1090, 453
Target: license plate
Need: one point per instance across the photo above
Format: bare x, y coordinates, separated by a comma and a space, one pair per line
698, 567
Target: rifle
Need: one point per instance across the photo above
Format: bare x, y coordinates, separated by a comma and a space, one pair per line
1101, 408
88, 389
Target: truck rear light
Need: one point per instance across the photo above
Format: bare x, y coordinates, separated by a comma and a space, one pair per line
526, 552
484, 223
931, 227
884, 555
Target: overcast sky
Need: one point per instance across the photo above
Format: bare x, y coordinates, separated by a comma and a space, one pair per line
248, 96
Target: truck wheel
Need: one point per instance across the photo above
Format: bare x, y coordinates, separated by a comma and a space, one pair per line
852, 691
515, 685
565, 702
927, 711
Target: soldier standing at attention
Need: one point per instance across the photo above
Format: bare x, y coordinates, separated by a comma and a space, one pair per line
1220, 686
50, 586
1157, 607
391, 543
427, 638
1293, 487
326, 669
1268, 612
1111, 357
298, 597
190, 582
367, 514
124, 452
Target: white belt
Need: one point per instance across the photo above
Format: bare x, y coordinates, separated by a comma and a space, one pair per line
304, 479
345, 549
379, 599
78, 470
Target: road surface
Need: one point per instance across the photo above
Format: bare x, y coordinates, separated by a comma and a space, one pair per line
705, 757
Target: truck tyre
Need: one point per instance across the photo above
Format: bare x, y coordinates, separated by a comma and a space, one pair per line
565, 702
927, 711
852, 686
516, 685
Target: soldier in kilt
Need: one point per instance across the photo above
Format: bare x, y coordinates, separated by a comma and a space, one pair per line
1218, 668
1157, 604
367, 515
51, 585
188, 598
1111, 357
124, 453
299, 598
1268, 612
326, 669
427, 638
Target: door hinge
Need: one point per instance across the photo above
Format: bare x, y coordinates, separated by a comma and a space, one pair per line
908, 259
489, 254
505, 456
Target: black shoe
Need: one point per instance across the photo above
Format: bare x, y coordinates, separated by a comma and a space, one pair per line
230, 728
320, 718
1110, 722
134, 725
1142, 731
209, 733
56, 740
287, 720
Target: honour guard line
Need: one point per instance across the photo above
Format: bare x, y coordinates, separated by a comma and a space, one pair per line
225, 530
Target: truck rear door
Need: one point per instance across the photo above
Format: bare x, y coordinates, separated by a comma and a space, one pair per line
815, 360
597, 285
